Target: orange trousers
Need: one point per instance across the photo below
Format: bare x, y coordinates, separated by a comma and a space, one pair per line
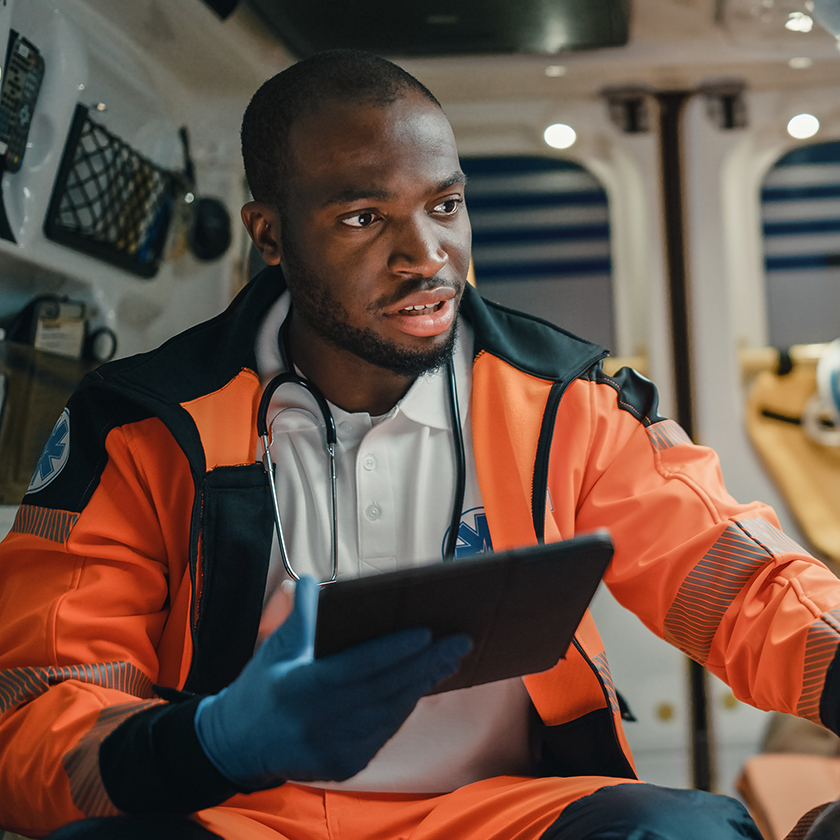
501, 808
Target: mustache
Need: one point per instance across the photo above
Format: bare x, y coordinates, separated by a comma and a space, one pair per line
409, 287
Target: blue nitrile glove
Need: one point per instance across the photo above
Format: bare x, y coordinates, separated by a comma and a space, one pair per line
290, 716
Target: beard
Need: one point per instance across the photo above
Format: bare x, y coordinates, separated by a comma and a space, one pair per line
316, 304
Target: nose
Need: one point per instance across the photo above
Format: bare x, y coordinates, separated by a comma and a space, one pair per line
417, 249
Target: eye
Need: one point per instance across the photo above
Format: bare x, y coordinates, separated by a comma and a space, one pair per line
360, 220
449, 206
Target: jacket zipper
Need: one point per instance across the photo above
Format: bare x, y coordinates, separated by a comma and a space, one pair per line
195, 580
539, 484
539, 489
613, 729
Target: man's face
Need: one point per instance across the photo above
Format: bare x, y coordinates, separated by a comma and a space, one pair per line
374, 234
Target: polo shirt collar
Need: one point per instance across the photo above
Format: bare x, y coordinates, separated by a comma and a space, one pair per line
426, 402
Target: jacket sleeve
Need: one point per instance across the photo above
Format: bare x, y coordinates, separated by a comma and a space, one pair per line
95, 565
716, 578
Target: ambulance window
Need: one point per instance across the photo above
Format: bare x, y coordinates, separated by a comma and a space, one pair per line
541, 241
801, 215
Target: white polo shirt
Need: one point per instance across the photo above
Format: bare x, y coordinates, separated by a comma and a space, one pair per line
396, 487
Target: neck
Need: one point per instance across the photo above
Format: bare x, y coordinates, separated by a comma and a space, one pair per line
345, 379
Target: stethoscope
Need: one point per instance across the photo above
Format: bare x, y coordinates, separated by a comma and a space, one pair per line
330, 437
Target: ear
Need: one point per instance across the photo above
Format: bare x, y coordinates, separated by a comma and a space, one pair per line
262, 221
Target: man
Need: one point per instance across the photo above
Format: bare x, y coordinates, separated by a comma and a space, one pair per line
137, 582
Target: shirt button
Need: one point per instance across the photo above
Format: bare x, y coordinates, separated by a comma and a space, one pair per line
373, 512
345, 427
369, 463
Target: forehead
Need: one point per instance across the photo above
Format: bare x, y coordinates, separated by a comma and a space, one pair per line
343, 147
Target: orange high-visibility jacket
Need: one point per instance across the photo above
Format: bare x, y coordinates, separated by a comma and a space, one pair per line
132, 581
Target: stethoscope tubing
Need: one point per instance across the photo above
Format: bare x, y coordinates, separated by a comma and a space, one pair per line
290, 377
460, 465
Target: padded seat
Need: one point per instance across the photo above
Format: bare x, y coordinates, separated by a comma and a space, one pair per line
778, 788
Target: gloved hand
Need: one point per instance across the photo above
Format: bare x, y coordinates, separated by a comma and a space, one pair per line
289, 716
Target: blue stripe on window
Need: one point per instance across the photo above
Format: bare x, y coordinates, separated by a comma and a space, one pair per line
554, 268
795, 262
494, 236
802, 227
586, 198
808, 155
803, 193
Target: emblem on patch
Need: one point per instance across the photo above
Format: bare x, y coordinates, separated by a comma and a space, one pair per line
55, 455
473, 535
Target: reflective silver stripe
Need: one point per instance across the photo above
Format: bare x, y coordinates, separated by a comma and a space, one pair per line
19, 685
54, 525
714, 583
820, 650
774, 540
665, 434
600, 663
82, 762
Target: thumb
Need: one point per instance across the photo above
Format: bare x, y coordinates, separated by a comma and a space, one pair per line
295, 637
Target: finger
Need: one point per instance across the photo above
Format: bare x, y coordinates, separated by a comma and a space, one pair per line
367, 659
412, 676
295, 637
442, 660
458, 645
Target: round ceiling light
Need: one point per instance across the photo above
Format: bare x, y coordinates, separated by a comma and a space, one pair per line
560, 136
803, 126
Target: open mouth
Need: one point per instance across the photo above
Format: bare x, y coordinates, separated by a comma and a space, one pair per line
424, 318
421, 309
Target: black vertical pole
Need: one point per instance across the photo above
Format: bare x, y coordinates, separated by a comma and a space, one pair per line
670, 112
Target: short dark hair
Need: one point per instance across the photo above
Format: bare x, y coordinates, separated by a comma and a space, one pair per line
342, 75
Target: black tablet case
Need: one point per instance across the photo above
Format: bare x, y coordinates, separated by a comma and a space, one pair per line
521, 607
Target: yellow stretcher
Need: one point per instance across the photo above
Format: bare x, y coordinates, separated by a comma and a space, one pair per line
807, 473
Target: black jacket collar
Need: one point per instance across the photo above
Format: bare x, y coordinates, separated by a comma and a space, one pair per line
207, 356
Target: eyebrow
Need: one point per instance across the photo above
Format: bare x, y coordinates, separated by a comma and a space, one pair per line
351, 194
456, 178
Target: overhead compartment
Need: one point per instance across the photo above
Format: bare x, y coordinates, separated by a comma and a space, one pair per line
457, 27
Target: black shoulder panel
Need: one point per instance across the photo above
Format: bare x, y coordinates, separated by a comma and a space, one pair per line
196, 362
71, 464
526, 342
635, 393
207, 356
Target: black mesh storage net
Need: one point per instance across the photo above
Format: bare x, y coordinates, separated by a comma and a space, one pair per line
109, 201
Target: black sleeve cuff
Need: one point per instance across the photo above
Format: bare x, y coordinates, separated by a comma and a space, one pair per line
154, 763
830, 701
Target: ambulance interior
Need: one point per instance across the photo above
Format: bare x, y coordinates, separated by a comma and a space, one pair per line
681, 219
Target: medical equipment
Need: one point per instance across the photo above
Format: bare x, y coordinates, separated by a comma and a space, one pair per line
290, 377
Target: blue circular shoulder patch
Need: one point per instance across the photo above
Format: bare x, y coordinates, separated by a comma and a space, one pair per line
55, 455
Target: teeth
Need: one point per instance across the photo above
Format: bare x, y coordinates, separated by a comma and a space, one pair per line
417, 308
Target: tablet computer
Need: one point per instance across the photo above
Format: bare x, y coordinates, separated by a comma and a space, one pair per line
521, 607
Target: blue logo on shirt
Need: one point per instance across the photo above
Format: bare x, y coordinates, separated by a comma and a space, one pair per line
55, 455
473, 535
